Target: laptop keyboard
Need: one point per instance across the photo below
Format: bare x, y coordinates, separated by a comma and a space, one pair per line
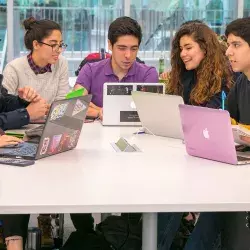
23, 149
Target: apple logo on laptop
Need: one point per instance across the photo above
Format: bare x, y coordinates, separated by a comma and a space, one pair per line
206, 133
132, 105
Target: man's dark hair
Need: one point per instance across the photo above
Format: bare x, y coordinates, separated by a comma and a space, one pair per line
38, 30
239, 27
192, 21
123, 26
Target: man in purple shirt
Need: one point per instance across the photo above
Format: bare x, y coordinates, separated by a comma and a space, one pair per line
124, 38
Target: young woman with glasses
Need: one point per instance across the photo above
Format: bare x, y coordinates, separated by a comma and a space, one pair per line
44, 68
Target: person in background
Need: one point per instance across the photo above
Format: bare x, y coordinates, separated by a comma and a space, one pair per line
215, 15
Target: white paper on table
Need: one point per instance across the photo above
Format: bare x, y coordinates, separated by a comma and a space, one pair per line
240, 131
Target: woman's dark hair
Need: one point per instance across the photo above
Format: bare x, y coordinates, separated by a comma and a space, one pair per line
212, 71
38, 30
123, 26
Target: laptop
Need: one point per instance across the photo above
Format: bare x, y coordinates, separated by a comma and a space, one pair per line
159, 114
208, 134
60, 133
118, 105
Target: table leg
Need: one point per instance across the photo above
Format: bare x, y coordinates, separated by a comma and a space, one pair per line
149, 231
105, 216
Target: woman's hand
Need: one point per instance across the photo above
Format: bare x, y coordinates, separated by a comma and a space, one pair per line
164, 75
29, 94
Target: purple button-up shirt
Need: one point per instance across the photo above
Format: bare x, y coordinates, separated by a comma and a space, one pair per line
93, 75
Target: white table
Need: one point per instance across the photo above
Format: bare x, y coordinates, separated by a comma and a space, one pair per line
96, 179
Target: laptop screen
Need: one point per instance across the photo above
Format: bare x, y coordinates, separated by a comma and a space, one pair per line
63, 126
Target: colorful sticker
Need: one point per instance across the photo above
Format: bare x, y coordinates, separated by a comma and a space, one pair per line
73, 138
55, 144
78, 107
58, 111
63, 145
45, 145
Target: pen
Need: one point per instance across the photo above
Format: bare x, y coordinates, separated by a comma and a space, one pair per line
138, 133
223, 98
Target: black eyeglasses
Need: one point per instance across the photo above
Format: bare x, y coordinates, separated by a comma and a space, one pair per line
56, 47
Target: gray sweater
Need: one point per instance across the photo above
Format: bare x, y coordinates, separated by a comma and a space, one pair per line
50, 85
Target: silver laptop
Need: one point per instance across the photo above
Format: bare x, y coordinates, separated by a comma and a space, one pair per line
118, 105
159, 114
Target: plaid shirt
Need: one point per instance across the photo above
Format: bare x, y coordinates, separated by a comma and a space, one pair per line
37, 70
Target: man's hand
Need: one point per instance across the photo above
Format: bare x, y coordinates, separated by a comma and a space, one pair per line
48, 108
37, 110
6, 140
164, 75
100, 114
29, 94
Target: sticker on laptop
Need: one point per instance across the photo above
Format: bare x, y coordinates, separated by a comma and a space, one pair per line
55, 144
63, 145
150, 88
58, 111
78, 107
73, 138
45, 145
119, 89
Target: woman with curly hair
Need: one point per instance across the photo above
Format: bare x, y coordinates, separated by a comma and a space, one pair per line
199, 67
200, 71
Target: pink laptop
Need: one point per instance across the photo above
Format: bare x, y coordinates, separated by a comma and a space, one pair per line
208, 134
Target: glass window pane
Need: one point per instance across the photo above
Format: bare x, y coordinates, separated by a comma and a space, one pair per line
3, 22
246, 12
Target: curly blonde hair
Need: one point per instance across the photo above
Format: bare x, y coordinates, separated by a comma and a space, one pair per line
212, 71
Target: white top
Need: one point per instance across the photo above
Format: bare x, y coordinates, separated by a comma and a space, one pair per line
50, 85
95, 178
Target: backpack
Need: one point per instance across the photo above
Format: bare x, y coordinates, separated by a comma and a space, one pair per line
90, 241
93, 57
96, 57
121, 233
